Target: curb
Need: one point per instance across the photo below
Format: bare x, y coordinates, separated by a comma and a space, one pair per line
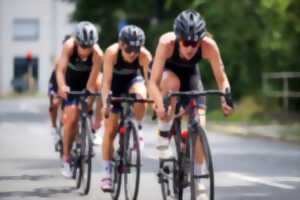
272, 132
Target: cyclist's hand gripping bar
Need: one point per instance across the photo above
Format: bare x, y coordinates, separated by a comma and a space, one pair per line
228, 98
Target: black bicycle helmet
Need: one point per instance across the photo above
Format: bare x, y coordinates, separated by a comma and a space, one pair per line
132, 36
190, 26
86, 34
66, 38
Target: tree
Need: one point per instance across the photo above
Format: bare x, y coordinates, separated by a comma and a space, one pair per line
254, 36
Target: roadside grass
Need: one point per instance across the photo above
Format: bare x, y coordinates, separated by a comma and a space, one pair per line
255, 112
247, 110
291, 133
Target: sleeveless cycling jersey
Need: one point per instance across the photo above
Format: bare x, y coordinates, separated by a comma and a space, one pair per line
78, 71
52, 86
177, 64
124, 68
124, 76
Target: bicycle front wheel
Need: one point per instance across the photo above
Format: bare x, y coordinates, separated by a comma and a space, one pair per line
86, 158
132, 162
206, 177
117, 168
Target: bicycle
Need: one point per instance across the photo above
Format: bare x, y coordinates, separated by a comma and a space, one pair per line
177, 174
82, 147
127, 156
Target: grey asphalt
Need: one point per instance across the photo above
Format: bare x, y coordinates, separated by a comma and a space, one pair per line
246, 168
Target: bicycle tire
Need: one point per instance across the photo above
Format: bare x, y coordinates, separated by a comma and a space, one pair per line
116, 170
86, 158
190, 155
128, 149
60, 145
209, 161
77, 168
77, 174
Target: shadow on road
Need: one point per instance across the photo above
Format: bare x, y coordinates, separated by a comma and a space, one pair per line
33, 164
38, 192
26, 177
16, 117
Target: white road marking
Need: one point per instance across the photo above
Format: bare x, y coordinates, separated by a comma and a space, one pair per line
285, 179
260, 180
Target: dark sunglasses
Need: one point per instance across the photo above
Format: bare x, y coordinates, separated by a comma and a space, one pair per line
187, 43
85, 47
128, 49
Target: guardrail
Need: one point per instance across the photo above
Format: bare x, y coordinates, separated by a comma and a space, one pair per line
285, 93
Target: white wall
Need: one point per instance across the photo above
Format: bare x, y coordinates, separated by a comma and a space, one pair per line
52, 16
1, 47
63, 25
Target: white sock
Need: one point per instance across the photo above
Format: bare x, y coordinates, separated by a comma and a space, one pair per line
107, 168
137, 124
164, 126
53, 129
198, 170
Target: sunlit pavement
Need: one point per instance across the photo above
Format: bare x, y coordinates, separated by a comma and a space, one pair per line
246, 168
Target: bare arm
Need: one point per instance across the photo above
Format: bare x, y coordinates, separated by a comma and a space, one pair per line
62, 65
161, 55
109, 62
212, 54
97, 59
145, 59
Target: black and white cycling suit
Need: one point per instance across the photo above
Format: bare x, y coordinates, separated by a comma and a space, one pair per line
124, 76
52, 85
77, 74
187, 72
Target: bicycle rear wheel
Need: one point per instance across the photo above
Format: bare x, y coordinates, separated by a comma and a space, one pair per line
117, 169
59, 145
86, 158
132, 162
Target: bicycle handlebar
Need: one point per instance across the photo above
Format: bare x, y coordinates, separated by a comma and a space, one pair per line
127, 99
83, 93
194, 94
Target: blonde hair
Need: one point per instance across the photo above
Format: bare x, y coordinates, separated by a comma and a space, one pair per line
208, 34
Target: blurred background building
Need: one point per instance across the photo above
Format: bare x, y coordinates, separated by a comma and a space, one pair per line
31, 33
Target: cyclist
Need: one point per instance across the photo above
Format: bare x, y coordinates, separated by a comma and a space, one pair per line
122, 61
78, 68
175, 69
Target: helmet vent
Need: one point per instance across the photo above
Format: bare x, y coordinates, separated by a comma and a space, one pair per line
191, 29
85, 36
91, 35
191, 17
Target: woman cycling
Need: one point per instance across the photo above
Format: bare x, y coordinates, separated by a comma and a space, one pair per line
175, 69
122, 62
78, 68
